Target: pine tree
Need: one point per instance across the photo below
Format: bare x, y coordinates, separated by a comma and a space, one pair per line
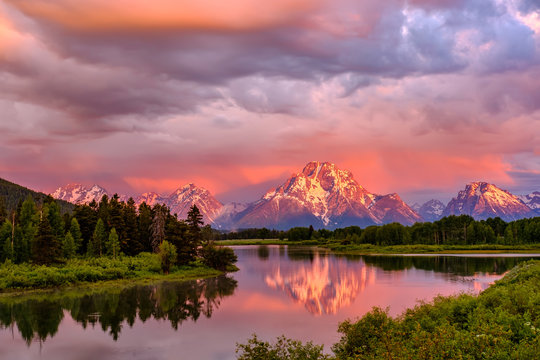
103, 210
176, 233
144, 226
131, 244
87, 218
3, 211
95, 246
194, 222
113, 244
116, 218
75, 231
28, 224
46, 248
68, 246
5, 238
56, 221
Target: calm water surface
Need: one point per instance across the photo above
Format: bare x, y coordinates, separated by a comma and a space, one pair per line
301, 292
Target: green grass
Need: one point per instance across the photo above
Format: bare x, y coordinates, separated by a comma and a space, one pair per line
144, 266
362, 249
265, 242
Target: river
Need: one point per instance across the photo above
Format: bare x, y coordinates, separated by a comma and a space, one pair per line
301, 292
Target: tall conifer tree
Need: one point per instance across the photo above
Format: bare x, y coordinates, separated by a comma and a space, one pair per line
46, 248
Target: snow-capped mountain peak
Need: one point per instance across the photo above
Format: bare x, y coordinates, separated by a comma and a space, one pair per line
431, 210
80, 194
482, 200
532, 200
324, 195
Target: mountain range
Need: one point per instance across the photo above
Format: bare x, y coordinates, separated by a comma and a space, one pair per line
324, 196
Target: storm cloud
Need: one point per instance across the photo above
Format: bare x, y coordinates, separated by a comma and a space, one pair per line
152, 94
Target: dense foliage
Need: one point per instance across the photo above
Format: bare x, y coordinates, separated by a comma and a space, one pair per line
283, 349
502, 322
218, 257
42, 235
75, 271
12, 195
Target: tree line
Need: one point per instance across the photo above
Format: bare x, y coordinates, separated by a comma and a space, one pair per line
110, 227
450, 230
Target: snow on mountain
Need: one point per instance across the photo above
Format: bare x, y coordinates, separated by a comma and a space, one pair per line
179, 201
228, 212
324, 196
532, 200
185, 197
150, 198
430, 211
482, 200
80, 194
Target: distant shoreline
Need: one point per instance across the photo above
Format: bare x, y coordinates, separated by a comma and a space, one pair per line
366, 249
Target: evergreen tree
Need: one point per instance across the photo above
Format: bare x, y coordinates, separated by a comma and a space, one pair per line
194, 221
75, 231
5, 238
158, 226
131, 244
87, 218
116, 219
56, 221
46, 248
3, 211
95, 247
103, 210
176, 233
28, 223
21, 251
113, 244
68, 246
144, 226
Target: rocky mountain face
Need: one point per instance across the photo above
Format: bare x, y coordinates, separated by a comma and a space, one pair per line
482, 200
431, 210
80, 194
324, 196
532, 200
180, 201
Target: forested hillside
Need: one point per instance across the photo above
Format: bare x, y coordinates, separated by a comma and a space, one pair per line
11, 195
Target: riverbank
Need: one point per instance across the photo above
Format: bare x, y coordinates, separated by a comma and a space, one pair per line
502, 322
366, 249
96, 271
264, 242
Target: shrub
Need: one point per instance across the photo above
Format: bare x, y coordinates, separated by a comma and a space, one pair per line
218, 257
167, 255
283, 349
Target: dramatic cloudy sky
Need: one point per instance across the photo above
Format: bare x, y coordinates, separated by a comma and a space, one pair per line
416, 97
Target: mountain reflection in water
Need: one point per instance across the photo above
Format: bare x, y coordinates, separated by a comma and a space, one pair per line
38, 317
324, 284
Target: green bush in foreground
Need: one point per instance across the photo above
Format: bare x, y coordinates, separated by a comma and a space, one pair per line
283, 349
218, 257
25, 276
167, 255
503, 322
